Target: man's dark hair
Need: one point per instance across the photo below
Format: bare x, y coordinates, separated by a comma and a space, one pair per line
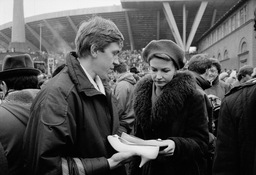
243, 71
134, 70
199, 63
22, 82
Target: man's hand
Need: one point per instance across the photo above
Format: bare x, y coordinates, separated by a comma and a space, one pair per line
120, 158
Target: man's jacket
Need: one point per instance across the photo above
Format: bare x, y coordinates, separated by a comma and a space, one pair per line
69, 124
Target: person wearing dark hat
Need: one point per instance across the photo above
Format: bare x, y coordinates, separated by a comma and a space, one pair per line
19, 80
169, 109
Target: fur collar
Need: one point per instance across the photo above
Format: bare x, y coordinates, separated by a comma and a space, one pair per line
25, 96
168, 105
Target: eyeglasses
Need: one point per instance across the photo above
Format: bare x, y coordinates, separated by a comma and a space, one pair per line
213, 71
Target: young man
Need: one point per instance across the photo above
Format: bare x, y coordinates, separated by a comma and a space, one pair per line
200, 66
19, 83
244, 74
74, 113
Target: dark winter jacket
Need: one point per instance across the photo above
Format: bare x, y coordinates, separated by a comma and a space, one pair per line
236, 144
178, 114
123, 91
69, 124
14, 115
201, 85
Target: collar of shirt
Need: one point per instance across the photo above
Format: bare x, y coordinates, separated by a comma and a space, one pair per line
98, 85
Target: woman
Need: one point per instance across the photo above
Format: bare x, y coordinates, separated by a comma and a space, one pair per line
167, 106
218, 88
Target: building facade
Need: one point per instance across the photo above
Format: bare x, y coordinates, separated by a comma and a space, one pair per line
232, 39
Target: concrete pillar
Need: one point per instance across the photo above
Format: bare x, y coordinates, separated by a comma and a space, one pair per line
18, 39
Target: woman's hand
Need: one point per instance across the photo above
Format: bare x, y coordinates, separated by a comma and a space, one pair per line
169, 150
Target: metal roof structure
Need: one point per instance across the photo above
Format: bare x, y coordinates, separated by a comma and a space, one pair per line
140, 21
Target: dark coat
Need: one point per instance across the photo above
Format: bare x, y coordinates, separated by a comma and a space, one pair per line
14, 115
219, 88
178, 114
123, 91
71, 119
236, 144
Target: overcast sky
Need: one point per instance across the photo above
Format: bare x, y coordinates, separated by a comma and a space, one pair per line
36, 7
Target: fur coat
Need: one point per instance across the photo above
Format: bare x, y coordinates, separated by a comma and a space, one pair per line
179, 114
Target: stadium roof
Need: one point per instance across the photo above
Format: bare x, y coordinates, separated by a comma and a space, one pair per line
140, 21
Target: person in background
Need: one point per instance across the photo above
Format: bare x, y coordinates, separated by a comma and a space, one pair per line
235, 152
217, 91
123, 91
200, 65
74, 113
218, 88
169, 108
232, 78
223, 76
135, 72
19, 80
244, 74
254, 73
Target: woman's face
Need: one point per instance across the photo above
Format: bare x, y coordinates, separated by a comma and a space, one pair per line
212, 73
162, 71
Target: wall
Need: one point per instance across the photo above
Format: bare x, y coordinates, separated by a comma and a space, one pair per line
232, 42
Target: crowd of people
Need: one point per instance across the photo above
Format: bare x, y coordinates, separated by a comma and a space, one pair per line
200, 116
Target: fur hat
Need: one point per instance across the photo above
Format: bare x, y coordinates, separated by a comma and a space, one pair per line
16, 65
164, 47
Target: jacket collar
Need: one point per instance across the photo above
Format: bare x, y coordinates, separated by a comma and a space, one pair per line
201, 82
25, 96
168, 105
79, 77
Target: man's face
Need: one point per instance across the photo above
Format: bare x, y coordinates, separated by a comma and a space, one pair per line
105, 60
246, 78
